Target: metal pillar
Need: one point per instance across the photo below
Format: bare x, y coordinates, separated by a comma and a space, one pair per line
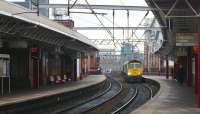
198, 66
68, 8
196, 73
167, 68
159, 66
189, 67
113, 25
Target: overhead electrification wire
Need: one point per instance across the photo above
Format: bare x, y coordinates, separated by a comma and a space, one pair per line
74, 4
100, 21
141, 22
86, 20
133, 32
68, 8
110, 20
128, 23
98, 18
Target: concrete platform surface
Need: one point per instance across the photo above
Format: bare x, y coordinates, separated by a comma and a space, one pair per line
172, 98
52, 90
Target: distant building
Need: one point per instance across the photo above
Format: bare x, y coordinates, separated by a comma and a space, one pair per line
152, 62
109, 60
154, 40
129, 52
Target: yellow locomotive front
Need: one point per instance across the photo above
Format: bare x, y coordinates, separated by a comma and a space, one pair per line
134, 69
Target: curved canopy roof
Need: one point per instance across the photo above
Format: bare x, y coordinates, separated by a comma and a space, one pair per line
180, 16
19, 20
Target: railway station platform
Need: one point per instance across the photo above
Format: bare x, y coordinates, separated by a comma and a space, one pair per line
172, 98
34, 94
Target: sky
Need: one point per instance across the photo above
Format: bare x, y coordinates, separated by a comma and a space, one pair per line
16, 0
84, 20
106, 2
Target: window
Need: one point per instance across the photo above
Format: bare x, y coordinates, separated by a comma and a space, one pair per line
134, 65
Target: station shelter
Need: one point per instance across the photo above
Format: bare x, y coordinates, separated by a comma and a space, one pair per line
35, 51
181, 32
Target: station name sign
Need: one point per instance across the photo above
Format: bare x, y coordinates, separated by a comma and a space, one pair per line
186, 39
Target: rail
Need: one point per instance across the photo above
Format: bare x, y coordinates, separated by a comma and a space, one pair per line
126, 104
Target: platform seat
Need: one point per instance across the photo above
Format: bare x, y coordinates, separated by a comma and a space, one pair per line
51, 79
64, 79
69, 78
58, 79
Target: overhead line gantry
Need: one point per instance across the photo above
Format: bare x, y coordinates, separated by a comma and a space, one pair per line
102, 7
120, 28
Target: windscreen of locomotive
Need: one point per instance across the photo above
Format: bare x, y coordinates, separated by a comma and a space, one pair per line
134, 65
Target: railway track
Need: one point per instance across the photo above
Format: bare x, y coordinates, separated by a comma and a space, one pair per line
133, 96
119, 97
91, 104
114, 96
113, 104
143, 95
66, 100
136, 95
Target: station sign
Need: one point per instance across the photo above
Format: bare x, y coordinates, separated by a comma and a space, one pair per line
186, 39
4, 65
181, 51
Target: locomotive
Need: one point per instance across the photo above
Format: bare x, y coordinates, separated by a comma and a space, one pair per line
132, 71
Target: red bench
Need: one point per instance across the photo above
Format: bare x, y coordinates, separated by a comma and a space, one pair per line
58, 79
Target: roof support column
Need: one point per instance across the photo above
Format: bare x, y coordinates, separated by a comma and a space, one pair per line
189, 67
167, 67
198, 66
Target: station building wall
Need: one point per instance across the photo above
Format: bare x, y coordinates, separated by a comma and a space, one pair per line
18, 64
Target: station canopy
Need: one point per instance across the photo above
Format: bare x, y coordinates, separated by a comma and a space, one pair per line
17, 21
179, 16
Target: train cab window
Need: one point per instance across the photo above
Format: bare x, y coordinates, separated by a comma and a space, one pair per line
137, 65
134, 65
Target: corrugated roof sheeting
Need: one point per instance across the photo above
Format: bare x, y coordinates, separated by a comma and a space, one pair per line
20, 13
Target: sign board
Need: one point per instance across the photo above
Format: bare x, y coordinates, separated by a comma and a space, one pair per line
181, 51
4, 65
186, 39
5, 56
